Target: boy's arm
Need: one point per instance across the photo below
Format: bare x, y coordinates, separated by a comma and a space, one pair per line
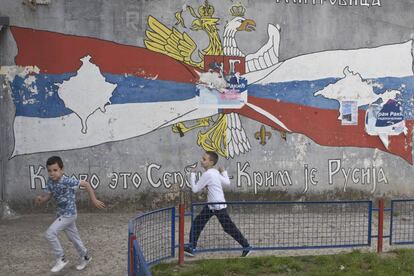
201, 183
224, 177
98, 204
40, 199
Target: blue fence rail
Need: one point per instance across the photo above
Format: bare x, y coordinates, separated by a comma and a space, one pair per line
269, 226
290, 225
141, 267
402, 221
151, 239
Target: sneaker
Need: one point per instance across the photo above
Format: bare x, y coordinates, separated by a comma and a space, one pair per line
60, 264
246, 253
83, 262
188, 251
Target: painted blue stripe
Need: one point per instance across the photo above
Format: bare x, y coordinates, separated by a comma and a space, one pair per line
132, 89
297, 92
45, 103
302, 92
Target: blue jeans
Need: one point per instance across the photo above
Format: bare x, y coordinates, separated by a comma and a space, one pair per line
228, 226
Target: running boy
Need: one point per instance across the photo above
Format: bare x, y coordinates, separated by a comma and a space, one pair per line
63, 189
213, 179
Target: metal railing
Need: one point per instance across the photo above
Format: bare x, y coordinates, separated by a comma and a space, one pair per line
402, 221
266, 226
151, 239
290, 225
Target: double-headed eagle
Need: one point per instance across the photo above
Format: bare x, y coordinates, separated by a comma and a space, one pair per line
226, 135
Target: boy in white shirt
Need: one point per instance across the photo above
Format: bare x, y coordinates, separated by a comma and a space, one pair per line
213, 179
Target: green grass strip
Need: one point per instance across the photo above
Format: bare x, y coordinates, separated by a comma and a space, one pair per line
398, 262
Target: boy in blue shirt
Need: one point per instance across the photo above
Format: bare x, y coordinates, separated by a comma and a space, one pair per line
63, 190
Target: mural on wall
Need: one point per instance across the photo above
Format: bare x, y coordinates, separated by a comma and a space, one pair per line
227, 136
244, 175
82, 91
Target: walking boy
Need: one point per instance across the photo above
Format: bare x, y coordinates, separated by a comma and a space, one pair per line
213, 179
63, 189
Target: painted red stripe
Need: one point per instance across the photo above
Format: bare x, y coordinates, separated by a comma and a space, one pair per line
57, 53
323, 126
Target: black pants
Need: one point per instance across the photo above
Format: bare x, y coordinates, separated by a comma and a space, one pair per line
225, 221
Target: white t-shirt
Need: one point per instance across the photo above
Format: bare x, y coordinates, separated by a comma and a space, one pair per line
214, 180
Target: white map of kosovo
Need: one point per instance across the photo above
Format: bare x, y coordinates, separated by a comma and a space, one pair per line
353, 88
86, 92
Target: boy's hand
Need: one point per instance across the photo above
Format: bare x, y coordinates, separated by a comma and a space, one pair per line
99, 204
221, 169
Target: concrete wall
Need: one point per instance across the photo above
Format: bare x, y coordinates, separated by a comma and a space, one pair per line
126, 146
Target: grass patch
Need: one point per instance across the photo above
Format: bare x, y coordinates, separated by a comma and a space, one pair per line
398, 262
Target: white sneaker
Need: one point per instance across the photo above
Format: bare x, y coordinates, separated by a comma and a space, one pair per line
60, 264
83, 263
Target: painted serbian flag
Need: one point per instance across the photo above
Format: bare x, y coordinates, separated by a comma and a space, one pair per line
82, 91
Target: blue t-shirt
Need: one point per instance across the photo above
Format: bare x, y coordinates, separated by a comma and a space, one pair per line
63, 193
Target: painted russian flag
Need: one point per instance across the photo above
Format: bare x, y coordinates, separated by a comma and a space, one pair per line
305, 93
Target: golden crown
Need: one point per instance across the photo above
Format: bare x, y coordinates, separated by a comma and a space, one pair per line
206, 10
237, 10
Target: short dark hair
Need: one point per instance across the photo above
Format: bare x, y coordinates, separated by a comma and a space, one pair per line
213, 156
55, 160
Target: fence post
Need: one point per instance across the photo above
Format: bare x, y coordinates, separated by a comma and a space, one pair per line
130, 233
380, 224
181, 211
131, 256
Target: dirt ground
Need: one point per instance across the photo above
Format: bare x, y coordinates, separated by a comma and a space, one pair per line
24, 250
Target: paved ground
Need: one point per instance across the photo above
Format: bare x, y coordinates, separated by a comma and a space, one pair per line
24, 250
